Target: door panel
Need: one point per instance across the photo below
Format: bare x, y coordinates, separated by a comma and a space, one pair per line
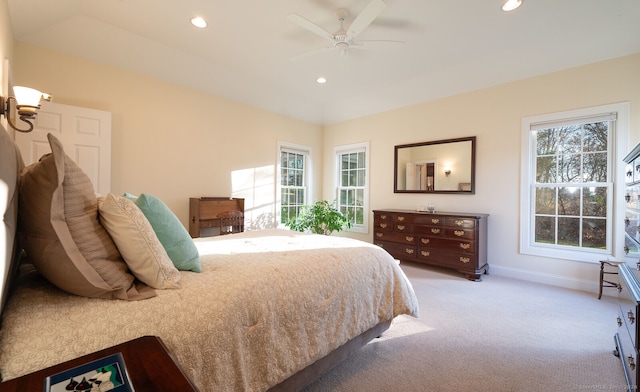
84, 133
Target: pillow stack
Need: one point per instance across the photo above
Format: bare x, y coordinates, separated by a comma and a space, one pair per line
104, 251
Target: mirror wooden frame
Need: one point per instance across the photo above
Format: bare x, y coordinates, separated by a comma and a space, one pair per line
466, 187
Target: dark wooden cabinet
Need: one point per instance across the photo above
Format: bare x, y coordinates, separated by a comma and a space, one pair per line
451, 240
216, 215
626, 338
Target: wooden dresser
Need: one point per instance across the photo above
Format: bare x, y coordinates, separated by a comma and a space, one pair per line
217, 215
446, 239
626, 338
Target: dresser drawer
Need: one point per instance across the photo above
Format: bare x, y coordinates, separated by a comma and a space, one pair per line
395, 237
628, 310
419, 219
431, 231
627, 351
399, 251
446, 257
383, 224
463, 223
460, 233
463, 246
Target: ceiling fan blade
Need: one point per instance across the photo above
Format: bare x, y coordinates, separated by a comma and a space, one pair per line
368, 15
310, 53
309, 25
369, 44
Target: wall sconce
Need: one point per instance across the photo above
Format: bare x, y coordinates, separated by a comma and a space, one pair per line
27, 102
447, 172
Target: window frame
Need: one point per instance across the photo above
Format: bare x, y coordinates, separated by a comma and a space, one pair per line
308, 173
617, 149
349, 149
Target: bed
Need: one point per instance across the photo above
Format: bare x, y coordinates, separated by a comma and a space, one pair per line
263, 310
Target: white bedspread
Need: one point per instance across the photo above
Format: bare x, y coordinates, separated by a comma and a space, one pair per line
267, 304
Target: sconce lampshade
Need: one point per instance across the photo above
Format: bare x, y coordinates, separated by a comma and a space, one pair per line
27, 103
27, 99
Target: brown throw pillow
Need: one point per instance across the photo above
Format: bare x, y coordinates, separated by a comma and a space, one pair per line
61, 233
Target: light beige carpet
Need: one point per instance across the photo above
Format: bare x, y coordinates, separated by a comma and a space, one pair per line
496, 335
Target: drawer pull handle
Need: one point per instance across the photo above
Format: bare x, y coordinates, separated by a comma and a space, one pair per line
401, 227
383, 225
425, 253
619, 288
401, 219
631, 317
409, 238
435, 231
632, 363
459, 222
435, 221
465, 246
379, 235
619, 320
425, 240
465, 259
409, 251
459, 233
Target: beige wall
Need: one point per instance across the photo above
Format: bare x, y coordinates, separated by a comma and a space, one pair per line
171, 141
493, 115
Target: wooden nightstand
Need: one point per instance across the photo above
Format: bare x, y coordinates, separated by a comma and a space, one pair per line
150, 366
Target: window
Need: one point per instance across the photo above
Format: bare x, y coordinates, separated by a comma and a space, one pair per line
352, 164
294, 176
569, 182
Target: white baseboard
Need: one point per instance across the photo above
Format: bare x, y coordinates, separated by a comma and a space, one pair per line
590, 286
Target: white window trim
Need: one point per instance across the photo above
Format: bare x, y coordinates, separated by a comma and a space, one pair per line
296, 148
348, 148
620, 148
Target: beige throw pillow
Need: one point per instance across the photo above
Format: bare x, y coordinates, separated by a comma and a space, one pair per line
137, 242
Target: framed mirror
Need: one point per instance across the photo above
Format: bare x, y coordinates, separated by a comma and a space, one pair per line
441, 166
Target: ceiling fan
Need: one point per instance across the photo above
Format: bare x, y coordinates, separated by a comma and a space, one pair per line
343, 39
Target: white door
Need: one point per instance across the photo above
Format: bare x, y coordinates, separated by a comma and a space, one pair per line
84, 133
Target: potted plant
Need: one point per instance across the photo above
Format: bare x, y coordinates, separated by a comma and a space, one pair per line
320, 218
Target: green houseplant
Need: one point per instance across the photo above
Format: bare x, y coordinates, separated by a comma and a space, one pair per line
320, 218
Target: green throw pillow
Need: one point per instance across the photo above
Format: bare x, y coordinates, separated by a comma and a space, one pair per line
172, 235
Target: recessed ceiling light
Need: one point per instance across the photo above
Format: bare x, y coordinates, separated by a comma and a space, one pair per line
321, 80
511, 5
199, 22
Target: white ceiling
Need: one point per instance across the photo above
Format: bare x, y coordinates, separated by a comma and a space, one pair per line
451, 46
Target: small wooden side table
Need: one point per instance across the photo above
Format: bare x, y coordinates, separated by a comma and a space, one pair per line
604, 282
150, 366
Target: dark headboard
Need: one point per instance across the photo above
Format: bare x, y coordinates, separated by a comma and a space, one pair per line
10, 166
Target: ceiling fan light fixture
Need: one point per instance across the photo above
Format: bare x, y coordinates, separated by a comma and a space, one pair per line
199, 22
511, 5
